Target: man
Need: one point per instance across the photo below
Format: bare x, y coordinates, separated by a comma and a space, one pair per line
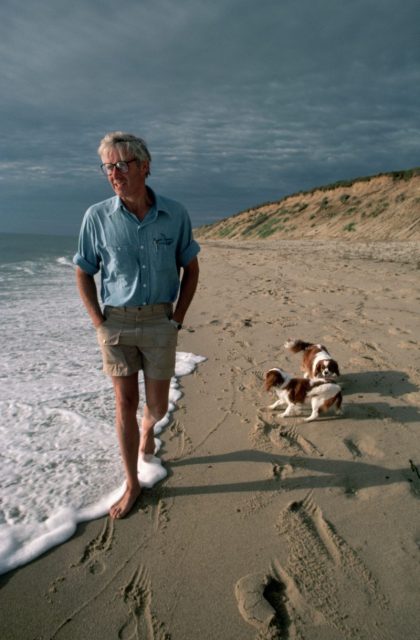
140, 242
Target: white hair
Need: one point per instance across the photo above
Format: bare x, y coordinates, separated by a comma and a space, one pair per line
128, 143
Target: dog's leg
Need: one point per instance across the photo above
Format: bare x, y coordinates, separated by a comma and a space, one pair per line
334, 401
338, 402
277, 403
290, 411
316, 404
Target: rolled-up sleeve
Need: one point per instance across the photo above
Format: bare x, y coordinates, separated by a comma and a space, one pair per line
188, 248
87, 257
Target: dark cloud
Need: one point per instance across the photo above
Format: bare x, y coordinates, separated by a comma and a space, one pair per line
240, 102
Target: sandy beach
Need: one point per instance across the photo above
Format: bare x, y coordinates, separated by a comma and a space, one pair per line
266, 527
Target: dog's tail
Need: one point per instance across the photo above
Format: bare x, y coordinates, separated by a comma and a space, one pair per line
296, 345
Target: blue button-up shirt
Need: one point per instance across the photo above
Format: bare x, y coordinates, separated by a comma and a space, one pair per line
139, 260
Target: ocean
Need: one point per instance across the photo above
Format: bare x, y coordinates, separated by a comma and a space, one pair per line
60, 462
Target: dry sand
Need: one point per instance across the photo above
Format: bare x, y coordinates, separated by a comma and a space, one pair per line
266, 527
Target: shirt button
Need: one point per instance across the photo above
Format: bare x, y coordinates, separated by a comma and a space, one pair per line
144, 285
143, 266
142, 246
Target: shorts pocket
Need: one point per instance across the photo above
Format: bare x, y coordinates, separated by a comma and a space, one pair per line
160, 333
108, 336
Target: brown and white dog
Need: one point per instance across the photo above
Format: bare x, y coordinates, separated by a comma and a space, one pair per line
317, 361
295, 392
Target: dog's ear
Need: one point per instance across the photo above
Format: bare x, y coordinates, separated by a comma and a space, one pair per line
334, 367
268, 380
272, 379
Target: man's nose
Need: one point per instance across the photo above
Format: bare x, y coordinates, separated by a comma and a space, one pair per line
113, 169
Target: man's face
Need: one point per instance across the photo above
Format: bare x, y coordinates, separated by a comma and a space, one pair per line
126, 185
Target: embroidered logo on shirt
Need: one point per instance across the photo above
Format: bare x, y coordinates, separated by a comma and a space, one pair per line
162, 240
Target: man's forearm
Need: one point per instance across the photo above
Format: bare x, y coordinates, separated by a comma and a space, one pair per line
188, 287
89, 295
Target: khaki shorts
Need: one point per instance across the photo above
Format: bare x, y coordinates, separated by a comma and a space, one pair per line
135, 338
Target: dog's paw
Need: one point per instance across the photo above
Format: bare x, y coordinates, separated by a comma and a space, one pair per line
287, 414
312, 417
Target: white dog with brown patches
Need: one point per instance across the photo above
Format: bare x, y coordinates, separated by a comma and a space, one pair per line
317, 362
295, 392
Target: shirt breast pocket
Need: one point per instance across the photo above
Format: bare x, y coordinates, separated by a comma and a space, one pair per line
165, 256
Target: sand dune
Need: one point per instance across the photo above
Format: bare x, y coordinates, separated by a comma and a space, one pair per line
384, 207
266, 527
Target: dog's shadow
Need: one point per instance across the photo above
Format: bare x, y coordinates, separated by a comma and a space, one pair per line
385, 383
381, 411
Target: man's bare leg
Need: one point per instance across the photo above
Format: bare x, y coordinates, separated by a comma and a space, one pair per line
155, 408
126, 404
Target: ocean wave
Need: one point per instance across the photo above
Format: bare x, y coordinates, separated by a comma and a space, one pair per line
65, 262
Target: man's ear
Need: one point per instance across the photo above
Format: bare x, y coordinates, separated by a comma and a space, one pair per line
145, 168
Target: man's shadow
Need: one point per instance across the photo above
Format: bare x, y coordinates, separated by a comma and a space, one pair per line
351, 476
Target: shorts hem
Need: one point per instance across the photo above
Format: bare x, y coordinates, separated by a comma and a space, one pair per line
124, 373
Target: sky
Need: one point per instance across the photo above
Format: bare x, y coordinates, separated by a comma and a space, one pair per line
240, 101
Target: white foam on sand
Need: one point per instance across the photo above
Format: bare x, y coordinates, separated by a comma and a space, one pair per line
60, 461
58, 468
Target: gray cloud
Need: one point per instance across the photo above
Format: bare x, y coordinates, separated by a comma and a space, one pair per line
240, 102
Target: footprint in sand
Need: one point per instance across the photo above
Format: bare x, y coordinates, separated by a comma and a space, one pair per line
323, 569
262, 603
184, 442
141, 623
288, 439
308, 596
92, 557
160, 513
260, 434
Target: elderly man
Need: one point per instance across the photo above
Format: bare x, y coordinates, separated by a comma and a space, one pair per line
143, 246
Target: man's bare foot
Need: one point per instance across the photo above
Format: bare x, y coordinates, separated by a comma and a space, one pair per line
125, 504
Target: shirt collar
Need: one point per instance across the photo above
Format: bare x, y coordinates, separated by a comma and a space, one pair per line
117, 204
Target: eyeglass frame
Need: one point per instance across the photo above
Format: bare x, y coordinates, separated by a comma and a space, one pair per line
108, 167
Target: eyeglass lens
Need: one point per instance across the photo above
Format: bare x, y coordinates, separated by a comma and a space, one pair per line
107, 167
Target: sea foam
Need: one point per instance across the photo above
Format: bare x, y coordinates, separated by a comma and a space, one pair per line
60, 459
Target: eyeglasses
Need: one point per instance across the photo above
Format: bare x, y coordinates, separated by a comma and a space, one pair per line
121, 165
